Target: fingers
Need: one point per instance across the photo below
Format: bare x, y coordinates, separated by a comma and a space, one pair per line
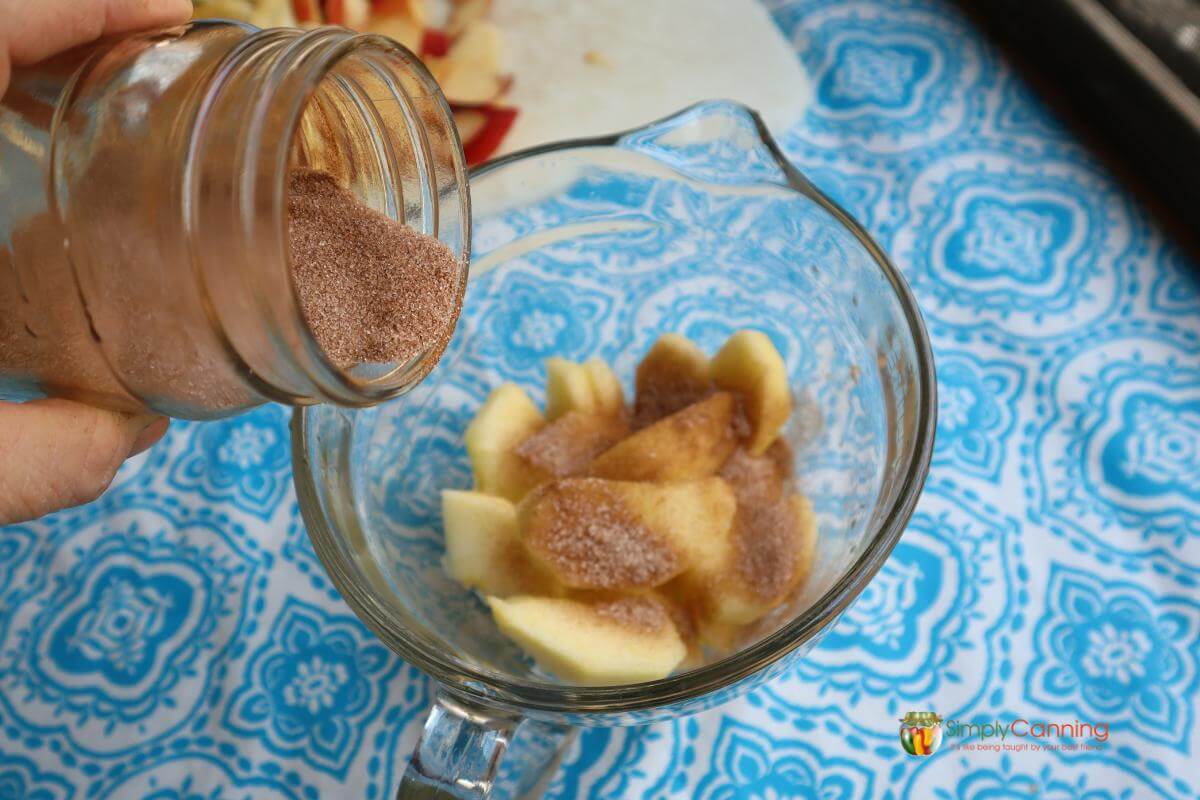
130, 15
56, 453
35, 30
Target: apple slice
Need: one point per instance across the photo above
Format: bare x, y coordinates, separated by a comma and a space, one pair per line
466, 13
627, 640
470, 122
225, 9
568, 388
673, 375
689, 444
781, 455
806, 531
413, 10
268, 14
693, 515
725, 637
470, 73
506, 419
750, 365
479, 147
567, 445
400, 28
598, 534
349, 13
308, 11
755, 479
434, 44
483, 550
478, 527
766, 554
606, 388
681, 617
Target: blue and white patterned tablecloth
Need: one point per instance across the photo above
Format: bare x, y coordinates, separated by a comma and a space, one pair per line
150, 643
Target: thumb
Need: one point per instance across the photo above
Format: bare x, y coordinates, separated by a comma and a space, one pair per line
58, 453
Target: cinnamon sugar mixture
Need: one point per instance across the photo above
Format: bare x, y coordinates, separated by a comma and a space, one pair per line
765, 541
371, 288
753, 480
639, 613
591, 536
665, 392
567, 445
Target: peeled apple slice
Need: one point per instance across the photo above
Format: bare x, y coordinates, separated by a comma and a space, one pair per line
588, 644
689, 444
750, 365
606, 387
483, 550
672, 375
506, 419
598, 534
568, 388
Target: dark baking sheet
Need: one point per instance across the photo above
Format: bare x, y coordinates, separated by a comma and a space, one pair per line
1128, 73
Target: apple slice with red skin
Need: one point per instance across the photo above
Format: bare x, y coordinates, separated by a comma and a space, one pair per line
435, 43
469, 121
489, 125
308, 11
335, 12
350, 13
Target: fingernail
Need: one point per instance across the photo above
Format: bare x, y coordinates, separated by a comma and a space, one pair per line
149, 436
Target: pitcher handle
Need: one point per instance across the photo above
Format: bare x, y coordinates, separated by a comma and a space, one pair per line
459, 752
463, 745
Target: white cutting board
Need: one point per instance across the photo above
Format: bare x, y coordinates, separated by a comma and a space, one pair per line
592, 67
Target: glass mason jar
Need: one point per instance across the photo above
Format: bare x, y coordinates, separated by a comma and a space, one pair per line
144, 259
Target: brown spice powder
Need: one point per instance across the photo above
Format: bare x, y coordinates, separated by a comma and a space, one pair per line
638, 613
781, 453
593, 540
662, 389
371, 288
765, 538
753, 479
661, 401
567, 445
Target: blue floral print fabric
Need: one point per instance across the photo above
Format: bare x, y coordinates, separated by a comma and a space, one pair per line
178, 638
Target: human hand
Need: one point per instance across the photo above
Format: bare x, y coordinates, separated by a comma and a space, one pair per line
58, 453
30, 32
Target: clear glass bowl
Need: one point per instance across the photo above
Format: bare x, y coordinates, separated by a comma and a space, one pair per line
696, 225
